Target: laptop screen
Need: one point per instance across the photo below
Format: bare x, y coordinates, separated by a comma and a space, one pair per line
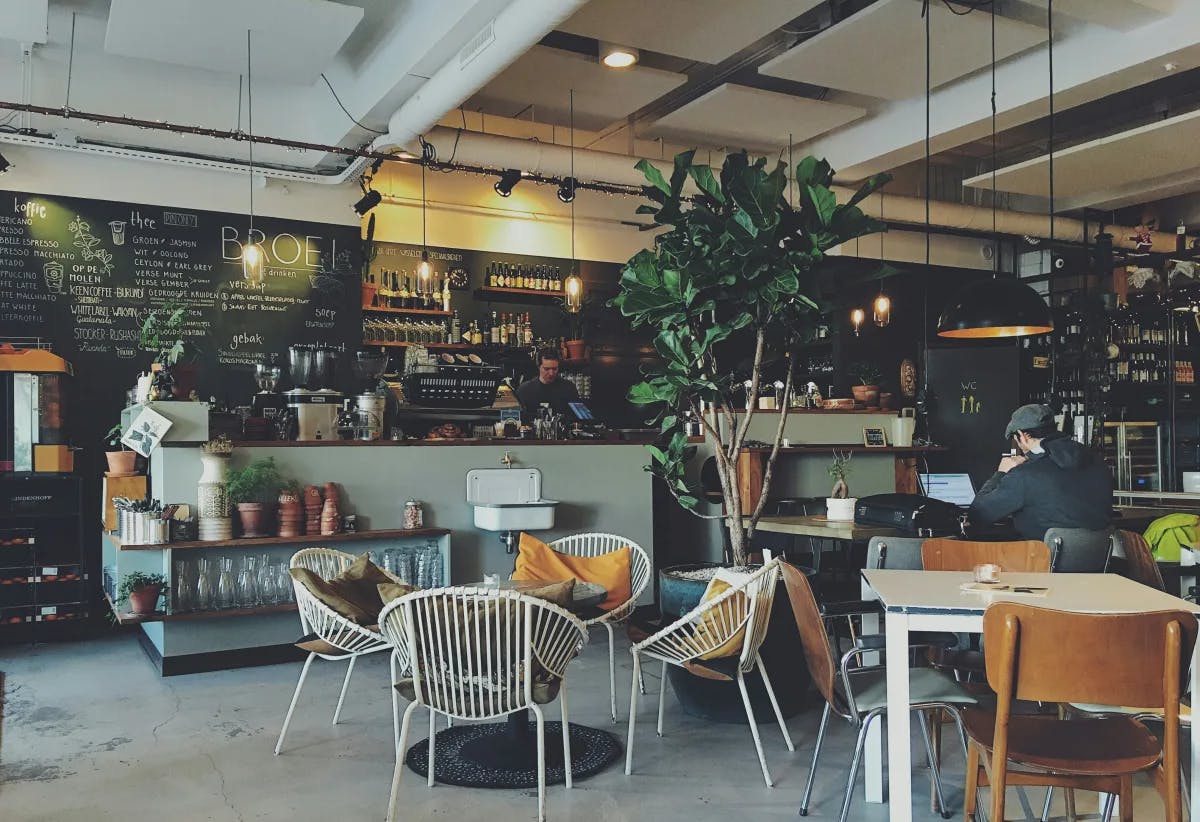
953, 488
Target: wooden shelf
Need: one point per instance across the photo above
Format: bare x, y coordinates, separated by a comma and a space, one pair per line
390, 533
431, 346
516, 295
437, 312
579, 362
853, 449
126, 618
878, 411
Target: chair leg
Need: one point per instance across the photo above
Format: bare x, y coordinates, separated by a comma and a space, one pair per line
432, 741
855, 763
762, 669
662, 697
612, 672
1126, 798
337, 712
541, 749
566, 733
404, 726
812, 769
395, 698
971, 791
998, 779
762, 760
1106, 814
933, 766
287, 720
1046, 806
633, 695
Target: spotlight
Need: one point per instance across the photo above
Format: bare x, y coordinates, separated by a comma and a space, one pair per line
507, 182
617, 57
5, 165
566, 191
368, 202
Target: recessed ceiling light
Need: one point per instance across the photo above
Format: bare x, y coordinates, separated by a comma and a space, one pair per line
615, 56
1170, 66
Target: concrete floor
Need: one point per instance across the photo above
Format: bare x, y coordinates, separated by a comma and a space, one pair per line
92, 733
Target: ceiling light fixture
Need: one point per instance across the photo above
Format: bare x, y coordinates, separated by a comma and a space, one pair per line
508, 180
368, 202
566, 191
424, 269
987, 309
618, 57
254, 259
573, 284
857, 317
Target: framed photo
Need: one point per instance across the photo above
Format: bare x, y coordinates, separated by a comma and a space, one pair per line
874, 437
146, 431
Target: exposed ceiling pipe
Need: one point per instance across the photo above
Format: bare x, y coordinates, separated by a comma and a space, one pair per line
551, 160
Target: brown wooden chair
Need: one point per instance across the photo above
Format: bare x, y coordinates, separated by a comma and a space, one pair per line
1139, 561
1058, 656
961, 555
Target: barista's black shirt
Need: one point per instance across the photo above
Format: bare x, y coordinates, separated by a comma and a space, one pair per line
532, 393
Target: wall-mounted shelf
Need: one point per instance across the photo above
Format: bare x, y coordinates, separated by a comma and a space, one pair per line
516, 295
431, 346
127, 618
391, 533
379, 309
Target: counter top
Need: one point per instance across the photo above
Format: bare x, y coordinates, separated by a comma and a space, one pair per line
498, 443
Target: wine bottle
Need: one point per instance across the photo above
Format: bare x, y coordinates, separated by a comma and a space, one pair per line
492, 280
528, 330
494, 333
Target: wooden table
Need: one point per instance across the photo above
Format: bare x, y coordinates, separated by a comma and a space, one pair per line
818, 525
933, 601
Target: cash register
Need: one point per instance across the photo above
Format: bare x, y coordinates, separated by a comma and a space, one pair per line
584, 424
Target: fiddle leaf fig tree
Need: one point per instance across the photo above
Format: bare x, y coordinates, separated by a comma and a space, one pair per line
729, 285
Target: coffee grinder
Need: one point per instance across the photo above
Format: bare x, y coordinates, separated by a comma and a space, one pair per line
313, 403
368, 368
268, 402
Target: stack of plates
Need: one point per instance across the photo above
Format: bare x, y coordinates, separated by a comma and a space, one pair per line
216, 529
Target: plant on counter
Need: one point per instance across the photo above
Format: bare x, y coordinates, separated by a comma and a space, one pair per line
253, 489
142, 591
161, 334
576, 325
839, 469
220, 446
866, 388
121, 461
735, 274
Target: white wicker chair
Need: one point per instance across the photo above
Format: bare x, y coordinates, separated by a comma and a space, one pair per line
705, 628
486, 675
350, 640
594, 544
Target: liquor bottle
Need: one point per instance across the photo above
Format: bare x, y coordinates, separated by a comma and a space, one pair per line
446, 293
455, 329
476, 334
504, 278
513, 340
503, 329
493, 280
528, 338
539, 279
396, 298
494, 334
557, 280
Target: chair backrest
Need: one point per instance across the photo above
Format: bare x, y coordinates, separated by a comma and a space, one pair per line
898, 553
940, 554
744, 607
594, 544
325, 563
817, 652
476, 654
1043, 655
1139, 560
1079, 550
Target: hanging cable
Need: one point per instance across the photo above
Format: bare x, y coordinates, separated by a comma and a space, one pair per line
353, 119
70, 64
995, 232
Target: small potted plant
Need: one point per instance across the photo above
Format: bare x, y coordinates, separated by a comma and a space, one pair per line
121, 461
142, 591
255, 490
174, 364
576, 324
866, 386
839, 505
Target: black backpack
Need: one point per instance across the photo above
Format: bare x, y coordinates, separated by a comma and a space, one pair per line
913, 514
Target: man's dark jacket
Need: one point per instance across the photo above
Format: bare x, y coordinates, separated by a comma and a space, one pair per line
1066, 486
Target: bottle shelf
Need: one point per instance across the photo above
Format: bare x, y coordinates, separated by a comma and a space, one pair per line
379, 309
515, 295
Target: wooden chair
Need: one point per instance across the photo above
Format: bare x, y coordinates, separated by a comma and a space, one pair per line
594, 544
858, 693
961, 555
744, 608
1140, 563
475, 655
328, 635
1058, 656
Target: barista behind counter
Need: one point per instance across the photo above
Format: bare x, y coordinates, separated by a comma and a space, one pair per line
547, 387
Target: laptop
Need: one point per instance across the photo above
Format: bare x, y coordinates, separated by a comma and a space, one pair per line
956, 489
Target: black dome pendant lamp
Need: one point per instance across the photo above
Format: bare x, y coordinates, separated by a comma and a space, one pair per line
990, 309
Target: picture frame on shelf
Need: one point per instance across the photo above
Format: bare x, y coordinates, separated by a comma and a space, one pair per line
874, 437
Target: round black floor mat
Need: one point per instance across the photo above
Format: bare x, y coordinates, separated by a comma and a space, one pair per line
488, 756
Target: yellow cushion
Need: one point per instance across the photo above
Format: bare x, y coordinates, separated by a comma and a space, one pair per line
712, 621
537, 560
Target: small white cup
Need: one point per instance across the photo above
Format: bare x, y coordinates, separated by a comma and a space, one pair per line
987, 573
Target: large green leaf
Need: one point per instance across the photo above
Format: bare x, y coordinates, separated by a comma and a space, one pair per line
868, 188
824, 203
706, 182
651, 172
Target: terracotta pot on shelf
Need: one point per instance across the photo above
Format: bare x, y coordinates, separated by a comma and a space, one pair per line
144, 600
253, 516
576, 349
290, 519
868, 395
885, 400
121, 463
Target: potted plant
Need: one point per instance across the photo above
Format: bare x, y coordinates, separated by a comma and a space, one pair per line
161, 333
866, 387
142, 591
730, 289
121, 461
255, 490
576, 324
839, 505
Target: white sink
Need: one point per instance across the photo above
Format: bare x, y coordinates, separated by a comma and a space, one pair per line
509, 499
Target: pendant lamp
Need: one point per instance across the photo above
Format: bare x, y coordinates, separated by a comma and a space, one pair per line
881, 310
999, 307
424, 269
254, 259
573, 284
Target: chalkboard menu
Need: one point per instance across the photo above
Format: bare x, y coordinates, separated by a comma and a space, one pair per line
85, 273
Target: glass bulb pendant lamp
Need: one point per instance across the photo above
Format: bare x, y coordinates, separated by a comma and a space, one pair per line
573, 284
573, 290
254, 258
882, 310
857, 317
424, 269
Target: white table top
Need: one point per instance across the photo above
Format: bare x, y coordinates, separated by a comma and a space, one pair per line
929, 592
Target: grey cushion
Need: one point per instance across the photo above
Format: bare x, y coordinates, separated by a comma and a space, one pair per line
924, 685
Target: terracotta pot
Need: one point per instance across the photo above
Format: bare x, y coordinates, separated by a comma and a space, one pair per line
144, 600
121, 462
186, 376
885, 400
253, 516
576, 349
868, 395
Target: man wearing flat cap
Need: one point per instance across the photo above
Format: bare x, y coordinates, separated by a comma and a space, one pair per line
1055, 483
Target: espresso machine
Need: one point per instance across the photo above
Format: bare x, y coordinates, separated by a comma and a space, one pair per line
368, 367
33, 409
312, 402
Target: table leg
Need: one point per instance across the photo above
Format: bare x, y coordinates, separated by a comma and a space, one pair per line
1194, 734
873, 765
898, 719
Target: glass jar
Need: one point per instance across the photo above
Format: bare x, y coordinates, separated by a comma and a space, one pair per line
414, 517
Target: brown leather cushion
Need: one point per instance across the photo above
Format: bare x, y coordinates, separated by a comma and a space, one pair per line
354, 593
393, 590
1117, 745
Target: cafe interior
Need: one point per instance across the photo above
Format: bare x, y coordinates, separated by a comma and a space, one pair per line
805, 386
